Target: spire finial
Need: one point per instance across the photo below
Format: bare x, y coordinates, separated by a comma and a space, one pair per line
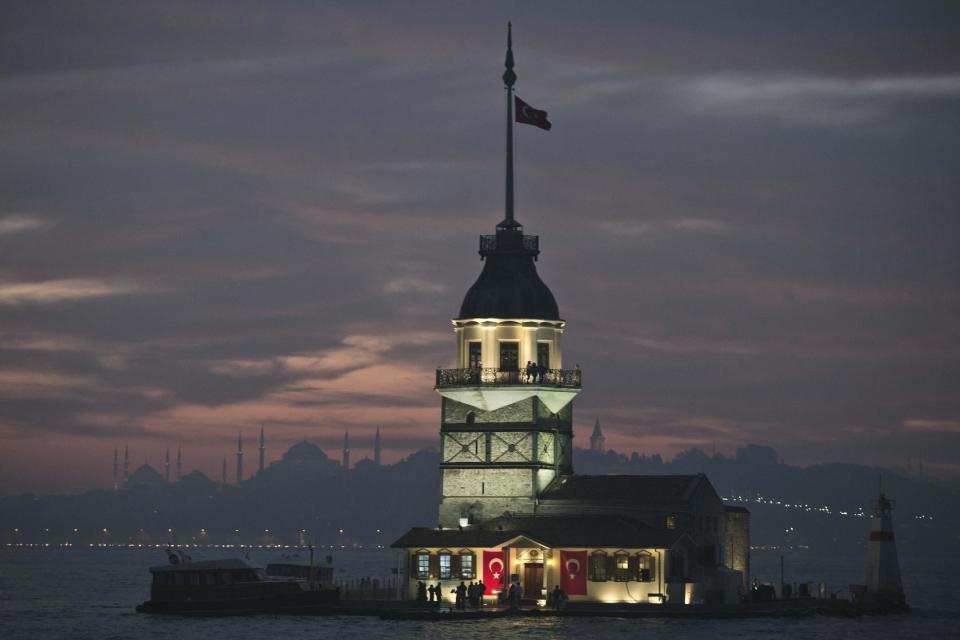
509, 77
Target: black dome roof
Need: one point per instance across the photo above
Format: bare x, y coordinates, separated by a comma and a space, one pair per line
508, 286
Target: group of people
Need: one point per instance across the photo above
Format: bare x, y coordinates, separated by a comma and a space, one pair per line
464, 594
534, 373
557, 597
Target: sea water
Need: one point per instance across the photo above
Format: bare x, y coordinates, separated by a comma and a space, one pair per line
54, 593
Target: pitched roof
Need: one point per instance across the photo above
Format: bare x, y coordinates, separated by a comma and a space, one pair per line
551, 531
623, 488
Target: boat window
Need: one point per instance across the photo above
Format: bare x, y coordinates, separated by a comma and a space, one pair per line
195, 577
178, 579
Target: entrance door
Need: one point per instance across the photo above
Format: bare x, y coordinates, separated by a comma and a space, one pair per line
532, 581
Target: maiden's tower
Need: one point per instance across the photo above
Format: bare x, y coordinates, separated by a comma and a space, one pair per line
511, 510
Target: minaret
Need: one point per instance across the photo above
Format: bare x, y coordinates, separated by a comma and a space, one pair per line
179, 462
597, 441
376, 447
262, 449
506, 425
882, 569
239, 457
116, 468
166, 466
126, 463
346, 449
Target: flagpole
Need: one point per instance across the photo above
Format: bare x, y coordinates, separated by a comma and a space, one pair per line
509, 77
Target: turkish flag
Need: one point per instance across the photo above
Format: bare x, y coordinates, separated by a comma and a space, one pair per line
573, 572
526, 114
494, 568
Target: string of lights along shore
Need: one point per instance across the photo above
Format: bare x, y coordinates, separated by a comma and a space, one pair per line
147, 474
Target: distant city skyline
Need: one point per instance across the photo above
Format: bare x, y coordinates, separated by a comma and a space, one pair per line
218, 217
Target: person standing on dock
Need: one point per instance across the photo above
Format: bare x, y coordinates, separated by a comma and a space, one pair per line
461, 596
422, 592
481, 592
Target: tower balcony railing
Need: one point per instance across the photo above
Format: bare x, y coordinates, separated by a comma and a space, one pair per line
492, 243
564, 378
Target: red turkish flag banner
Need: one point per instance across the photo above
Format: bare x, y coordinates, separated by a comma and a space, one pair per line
494, 568
573, 572
525, 114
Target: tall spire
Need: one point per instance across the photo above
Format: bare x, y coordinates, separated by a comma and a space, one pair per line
376, 447
262, 448
597, 441
116, 467
179, 462
346, 449
509, 78
166, 466
239, 457
126, 462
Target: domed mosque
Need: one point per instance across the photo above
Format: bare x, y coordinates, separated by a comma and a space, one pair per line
512, 513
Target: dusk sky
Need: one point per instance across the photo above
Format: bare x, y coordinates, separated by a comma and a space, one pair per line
220, 215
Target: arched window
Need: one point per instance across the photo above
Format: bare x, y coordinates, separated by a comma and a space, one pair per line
598, 566
621, 565
421, 564
446, 564
471, 417
468, 564
646, 566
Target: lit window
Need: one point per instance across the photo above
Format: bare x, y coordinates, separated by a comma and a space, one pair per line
645, 568
474, 359
543, 355
671, 522
423, 565
622, 563
445, 572
466, 566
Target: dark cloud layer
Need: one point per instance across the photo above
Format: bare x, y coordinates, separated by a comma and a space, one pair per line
221, 215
